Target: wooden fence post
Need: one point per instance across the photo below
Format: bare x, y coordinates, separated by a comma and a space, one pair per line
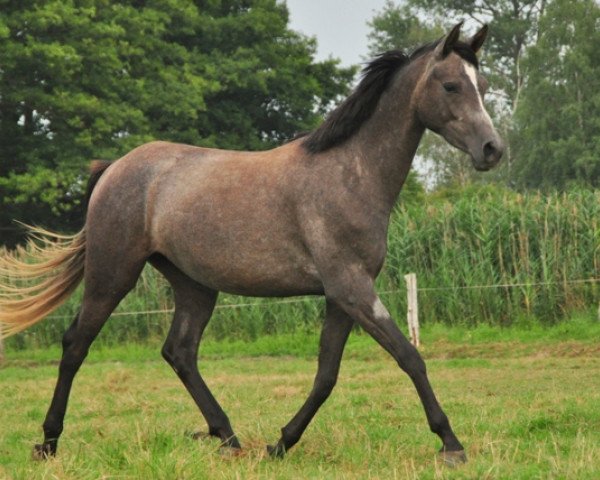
412, 312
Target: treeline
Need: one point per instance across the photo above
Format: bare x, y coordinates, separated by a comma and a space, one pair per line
92, 79
481, 255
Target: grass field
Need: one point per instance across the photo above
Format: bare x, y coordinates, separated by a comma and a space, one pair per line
526, 404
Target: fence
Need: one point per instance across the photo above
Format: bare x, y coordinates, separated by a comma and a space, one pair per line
257, 309
483, 256
384, 292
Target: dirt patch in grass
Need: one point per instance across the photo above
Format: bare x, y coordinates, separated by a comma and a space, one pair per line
445, 350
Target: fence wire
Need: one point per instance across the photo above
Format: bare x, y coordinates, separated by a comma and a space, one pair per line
385, 292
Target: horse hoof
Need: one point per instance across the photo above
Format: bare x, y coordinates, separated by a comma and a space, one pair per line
453, 459
42, 452
276, 451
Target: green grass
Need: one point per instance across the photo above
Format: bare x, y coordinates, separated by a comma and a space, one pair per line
439, 340
524, 401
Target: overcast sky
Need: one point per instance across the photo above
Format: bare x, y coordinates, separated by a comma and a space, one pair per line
339, 25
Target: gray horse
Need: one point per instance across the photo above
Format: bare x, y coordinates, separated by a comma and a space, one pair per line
307, 218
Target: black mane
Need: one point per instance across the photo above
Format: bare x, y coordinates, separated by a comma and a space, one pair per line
347, 118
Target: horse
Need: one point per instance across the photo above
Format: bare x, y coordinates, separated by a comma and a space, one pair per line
309, 217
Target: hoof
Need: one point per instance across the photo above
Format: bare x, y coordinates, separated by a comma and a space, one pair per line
453, 459
43, 451
276, 451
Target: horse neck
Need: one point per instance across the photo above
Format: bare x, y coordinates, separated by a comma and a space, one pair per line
386, 144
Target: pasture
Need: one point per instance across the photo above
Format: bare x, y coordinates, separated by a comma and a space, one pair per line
526, 403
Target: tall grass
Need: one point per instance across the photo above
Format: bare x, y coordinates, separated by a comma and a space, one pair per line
487, 237
454, 242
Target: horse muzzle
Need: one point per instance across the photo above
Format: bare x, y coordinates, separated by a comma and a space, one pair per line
488, 154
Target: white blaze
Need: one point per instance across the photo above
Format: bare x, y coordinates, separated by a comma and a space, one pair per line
472, 74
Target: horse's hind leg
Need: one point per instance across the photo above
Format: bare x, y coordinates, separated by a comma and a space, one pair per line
194, 305
335, 332
104, 289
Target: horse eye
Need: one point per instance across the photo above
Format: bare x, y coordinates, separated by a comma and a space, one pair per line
451, 87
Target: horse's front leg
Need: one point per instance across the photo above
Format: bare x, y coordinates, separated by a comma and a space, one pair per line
354, 293
335, 332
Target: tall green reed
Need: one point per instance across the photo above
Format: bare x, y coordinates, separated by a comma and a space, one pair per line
487, 238
463, 246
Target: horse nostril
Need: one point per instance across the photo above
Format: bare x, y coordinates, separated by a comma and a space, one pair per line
489, 149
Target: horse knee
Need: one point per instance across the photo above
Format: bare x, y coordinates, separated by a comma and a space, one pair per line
167, 353
182, 361
73, 356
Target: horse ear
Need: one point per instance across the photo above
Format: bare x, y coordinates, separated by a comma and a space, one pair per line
477, 40
447, 44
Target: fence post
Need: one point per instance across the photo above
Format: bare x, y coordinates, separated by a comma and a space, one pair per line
412, 312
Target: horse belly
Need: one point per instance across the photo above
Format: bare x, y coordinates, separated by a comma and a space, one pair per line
229, 224
234, 260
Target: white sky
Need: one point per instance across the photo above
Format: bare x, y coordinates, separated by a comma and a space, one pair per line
340, 26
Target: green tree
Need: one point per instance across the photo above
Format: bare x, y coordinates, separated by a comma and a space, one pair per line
558, 123
399, 27
85, 79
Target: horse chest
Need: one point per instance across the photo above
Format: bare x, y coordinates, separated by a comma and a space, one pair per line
339, 239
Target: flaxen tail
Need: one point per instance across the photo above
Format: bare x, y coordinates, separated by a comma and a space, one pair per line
36, 279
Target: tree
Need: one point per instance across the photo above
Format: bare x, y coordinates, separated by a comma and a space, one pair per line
558, 124
85, 79
286, 92
399, 27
